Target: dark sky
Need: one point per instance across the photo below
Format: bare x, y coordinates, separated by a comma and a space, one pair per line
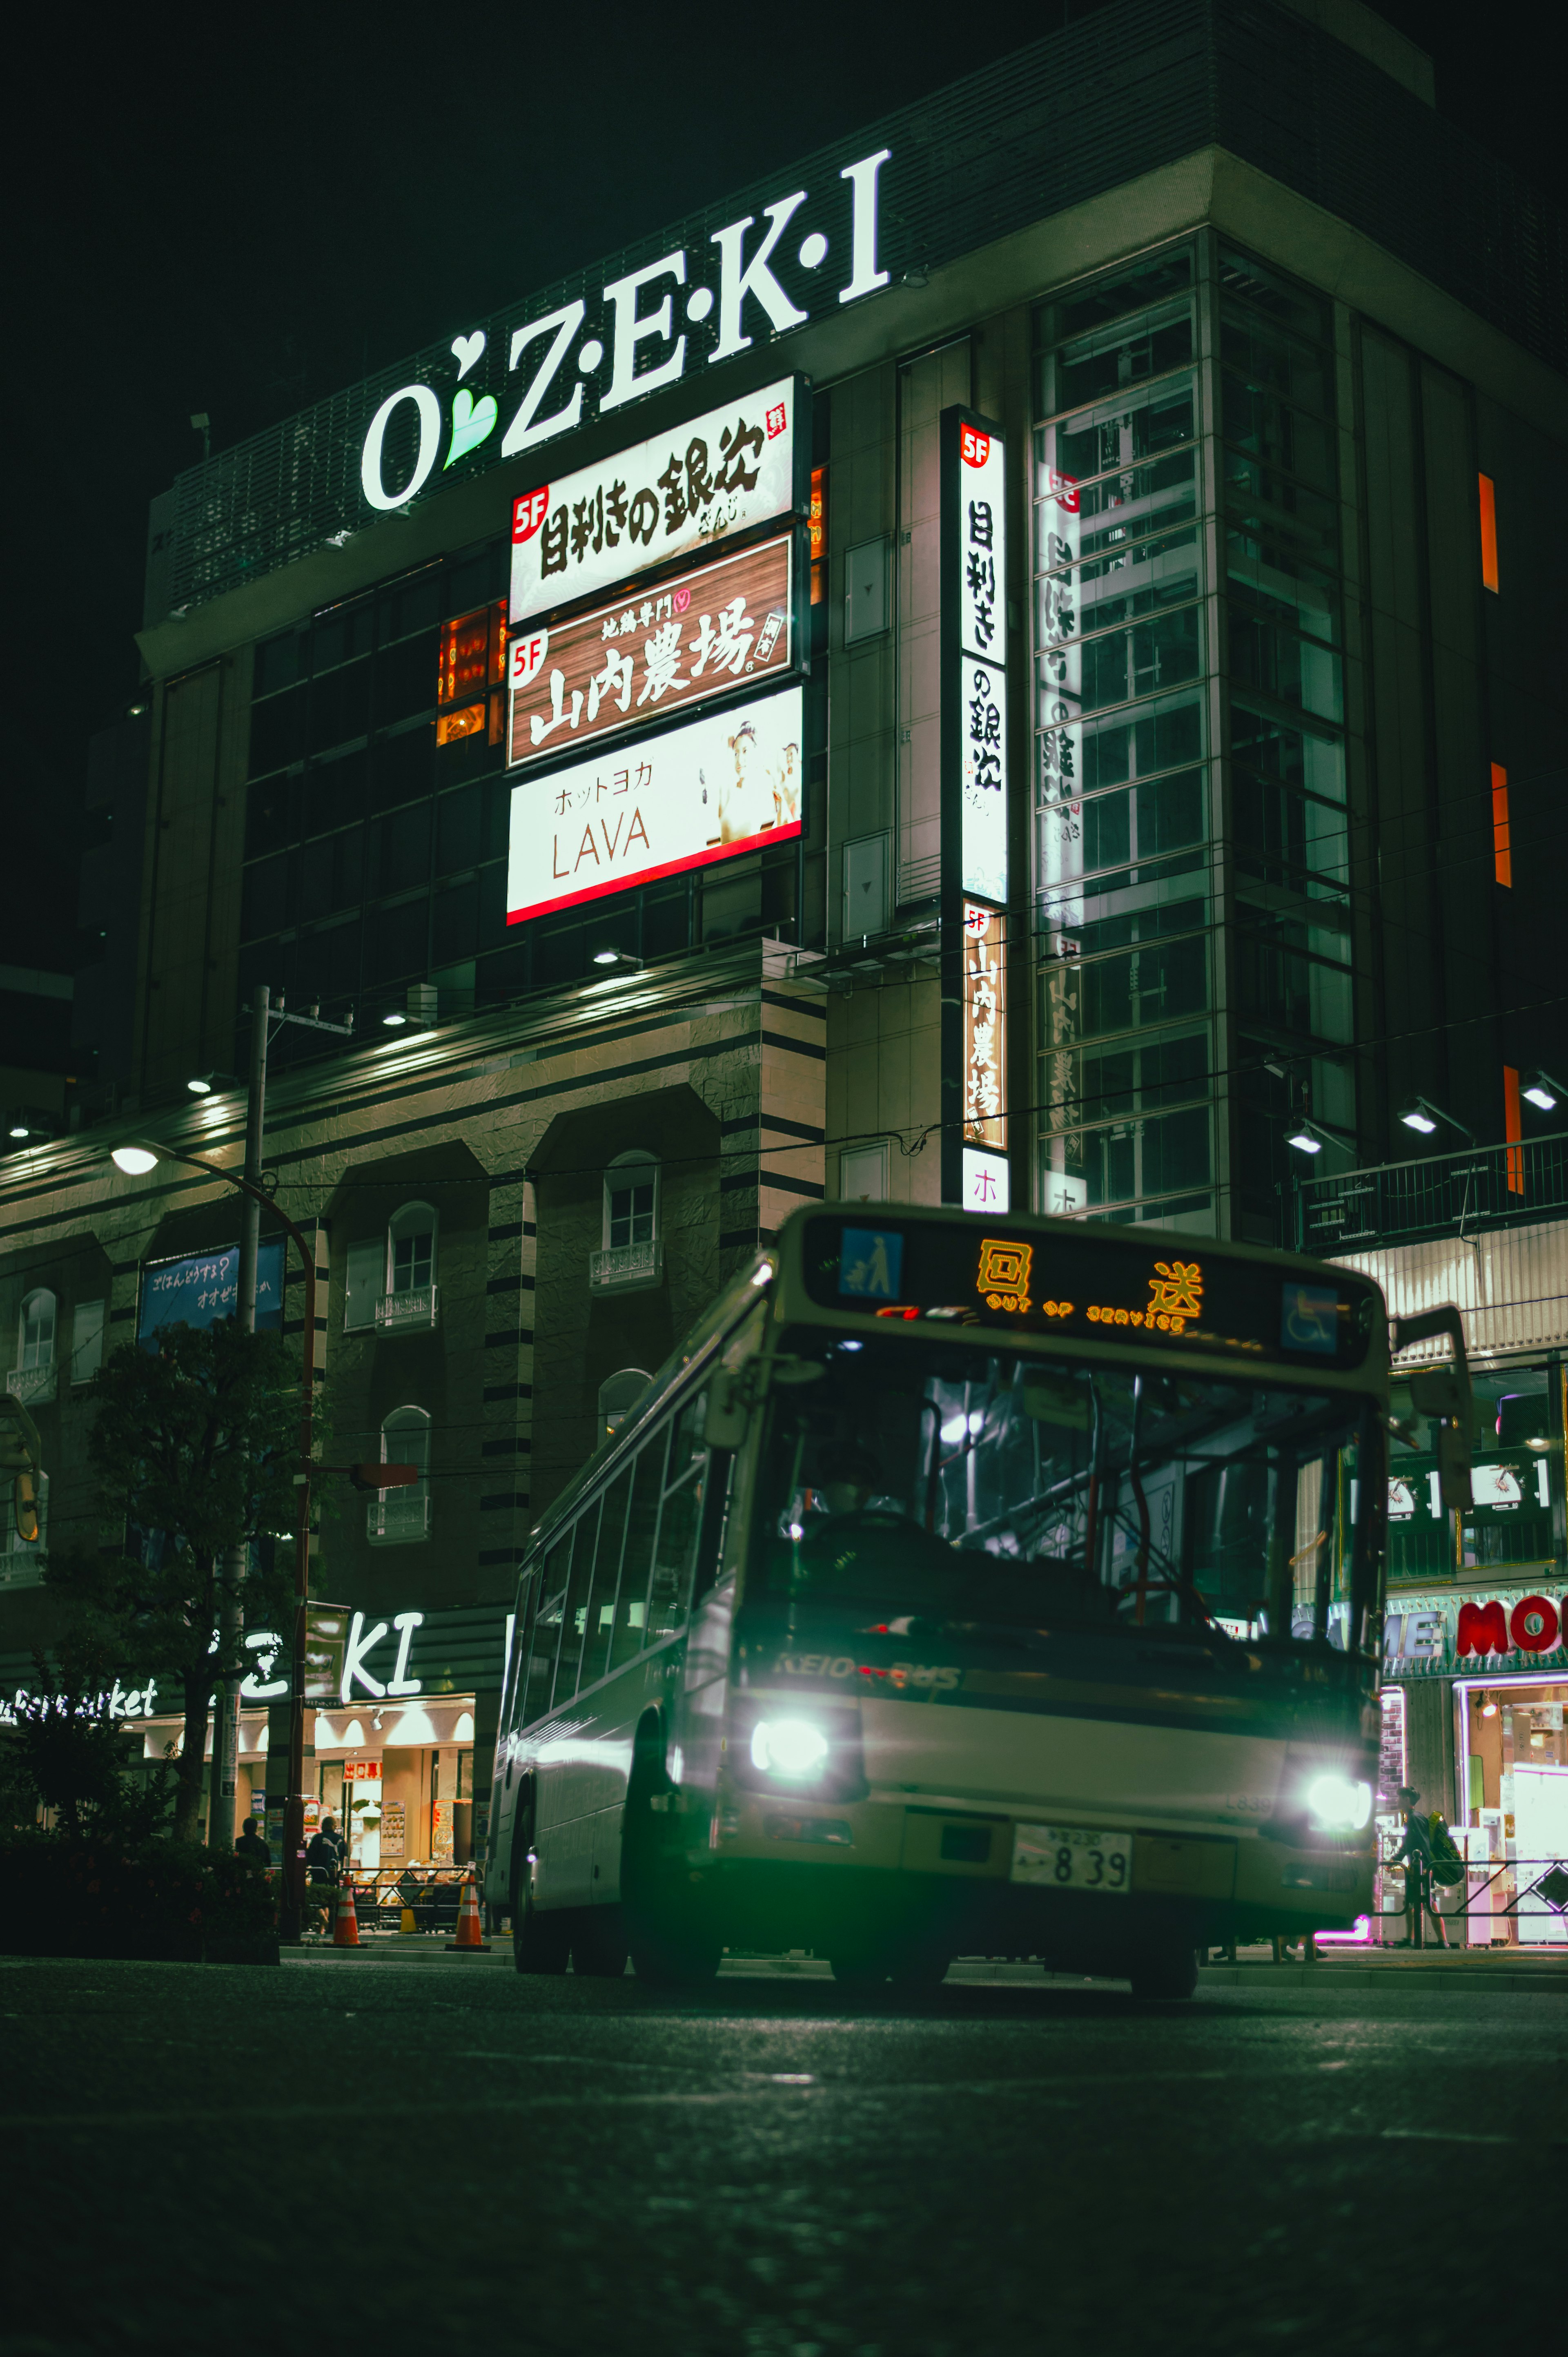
238, 210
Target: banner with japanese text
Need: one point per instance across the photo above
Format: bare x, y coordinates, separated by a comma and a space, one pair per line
715, 475
622, 666
204, 1288
726, 783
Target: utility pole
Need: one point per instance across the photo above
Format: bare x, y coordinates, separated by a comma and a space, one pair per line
232, 1607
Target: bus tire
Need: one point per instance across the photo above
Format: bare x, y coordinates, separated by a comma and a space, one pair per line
541, 1942
670, 1944
1166, 1972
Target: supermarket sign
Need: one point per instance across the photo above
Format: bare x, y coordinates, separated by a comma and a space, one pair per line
1511, 1629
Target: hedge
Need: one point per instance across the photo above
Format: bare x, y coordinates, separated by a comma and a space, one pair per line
156, 1900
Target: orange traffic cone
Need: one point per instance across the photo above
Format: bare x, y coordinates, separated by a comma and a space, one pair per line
470, 1934
346, 1928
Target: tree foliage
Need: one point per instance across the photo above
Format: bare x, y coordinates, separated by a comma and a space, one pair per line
195, 1445
67, 1751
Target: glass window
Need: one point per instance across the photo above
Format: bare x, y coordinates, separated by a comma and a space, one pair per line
632, 1200
1270, 503
278, 731
1256, 420
546, 1635
1084, 309
1264, 356
35, 1333
642, 1521
1274, 578
411, 1260
264, 898
600, 1625
1280, 300
87, 1339
1290, 756
670, 1591
1294, 829
1277, 663
1279, 985
1117, 434
340, 707
1121, 665
340, 636
277, 664
1146, 986
575, 1618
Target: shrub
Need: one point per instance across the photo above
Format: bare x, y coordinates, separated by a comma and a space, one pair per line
157, 1899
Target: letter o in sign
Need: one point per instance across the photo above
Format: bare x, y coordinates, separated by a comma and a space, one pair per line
370, 481
1533, 1624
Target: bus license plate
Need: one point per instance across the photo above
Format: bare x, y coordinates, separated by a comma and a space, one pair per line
1073, 1857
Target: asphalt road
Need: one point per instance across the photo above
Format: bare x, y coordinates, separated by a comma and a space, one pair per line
369, 2152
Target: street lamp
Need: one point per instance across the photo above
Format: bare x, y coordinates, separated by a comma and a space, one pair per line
1421, 1114
208, 1085
1306, 1137
1543, 1091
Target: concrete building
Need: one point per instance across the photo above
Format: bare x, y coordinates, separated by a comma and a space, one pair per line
1266, 364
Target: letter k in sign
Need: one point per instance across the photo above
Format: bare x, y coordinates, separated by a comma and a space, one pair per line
354, 1652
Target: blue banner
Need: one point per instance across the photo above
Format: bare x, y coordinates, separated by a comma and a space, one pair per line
205, 1287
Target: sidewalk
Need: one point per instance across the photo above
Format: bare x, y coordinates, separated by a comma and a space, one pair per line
1532, 1968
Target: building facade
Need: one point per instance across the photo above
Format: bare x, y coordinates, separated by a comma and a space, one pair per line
1045, 692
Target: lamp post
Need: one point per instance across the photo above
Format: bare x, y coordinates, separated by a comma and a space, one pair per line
136, 1159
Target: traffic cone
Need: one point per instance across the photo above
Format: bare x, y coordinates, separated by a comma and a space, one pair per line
470, 1934
346, 1928
408, 1926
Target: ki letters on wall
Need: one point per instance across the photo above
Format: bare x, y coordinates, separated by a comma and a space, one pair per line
726, 782
804, 256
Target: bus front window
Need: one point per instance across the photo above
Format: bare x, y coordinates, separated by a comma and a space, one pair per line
943, 1482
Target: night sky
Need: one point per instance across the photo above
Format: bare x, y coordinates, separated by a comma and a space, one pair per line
237, 211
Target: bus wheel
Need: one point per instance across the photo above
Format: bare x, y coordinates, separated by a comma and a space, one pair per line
540, 1943
1162, 1971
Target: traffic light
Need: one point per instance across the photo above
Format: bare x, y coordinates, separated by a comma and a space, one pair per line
21, 1458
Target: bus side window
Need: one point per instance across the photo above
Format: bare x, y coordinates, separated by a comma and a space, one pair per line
574, 1624
521, 1638
607, 1573
670, 1594
546, 1633
631, 1610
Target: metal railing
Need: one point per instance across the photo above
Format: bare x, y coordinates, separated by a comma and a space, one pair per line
399, 1514
415, 1307
625, 1264
1436, 1195
33, 1386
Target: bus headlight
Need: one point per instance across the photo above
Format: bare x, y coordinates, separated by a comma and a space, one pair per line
1339, 1804
794, 1749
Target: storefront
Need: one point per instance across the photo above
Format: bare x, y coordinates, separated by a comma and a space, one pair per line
1474, 1717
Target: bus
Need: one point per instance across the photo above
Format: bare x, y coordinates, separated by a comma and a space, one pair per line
963, 1588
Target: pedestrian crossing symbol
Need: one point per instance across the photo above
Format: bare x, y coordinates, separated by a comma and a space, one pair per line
871, 1263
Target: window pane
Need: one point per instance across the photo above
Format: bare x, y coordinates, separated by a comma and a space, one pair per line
1264, 356
1089, 308
1293, 829
1293, 757
631, 1609
1259, 422
546, 1633
1118, 434
1278, 663
606, 1571
575, 1621
1150, 986
671, 1590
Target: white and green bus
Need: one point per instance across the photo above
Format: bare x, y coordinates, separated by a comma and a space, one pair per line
963, 1588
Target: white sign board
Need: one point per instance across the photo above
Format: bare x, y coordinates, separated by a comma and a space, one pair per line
985, 1180
720, 473
726, 783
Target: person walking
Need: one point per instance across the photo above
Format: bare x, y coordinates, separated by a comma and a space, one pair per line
248, 1843
324, 1868
1414, 1854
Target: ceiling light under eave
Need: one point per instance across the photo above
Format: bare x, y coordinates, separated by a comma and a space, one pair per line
1416, 1119
1305, 1143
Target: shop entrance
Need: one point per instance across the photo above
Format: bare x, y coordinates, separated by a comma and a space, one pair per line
362, 1796
1541, 1820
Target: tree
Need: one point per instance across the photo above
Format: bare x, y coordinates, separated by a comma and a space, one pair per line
67, 1751
196, 1446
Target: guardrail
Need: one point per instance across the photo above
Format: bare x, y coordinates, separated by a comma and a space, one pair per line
1435, 1195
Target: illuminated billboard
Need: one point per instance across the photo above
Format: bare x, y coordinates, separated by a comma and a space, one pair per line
711, 477
629, 663
728, 782
205, 1286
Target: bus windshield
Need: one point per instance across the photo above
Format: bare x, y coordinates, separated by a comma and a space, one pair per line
933, 1480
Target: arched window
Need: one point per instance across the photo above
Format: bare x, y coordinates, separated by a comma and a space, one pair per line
395, 1516
631, 1201
35, 1333
410, 1297
618, 1393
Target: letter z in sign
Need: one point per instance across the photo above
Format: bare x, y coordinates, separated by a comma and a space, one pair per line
1073, 1857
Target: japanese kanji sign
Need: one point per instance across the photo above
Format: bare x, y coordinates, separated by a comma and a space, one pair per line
717, 474
728, 782
985, 1027
975, 606
201, 1290
621, 666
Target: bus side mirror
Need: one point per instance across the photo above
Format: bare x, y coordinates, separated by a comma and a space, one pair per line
1437, 1393
727, 1417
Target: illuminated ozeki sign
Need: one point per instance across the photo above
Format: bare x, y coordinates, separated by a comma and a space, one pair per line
811, 252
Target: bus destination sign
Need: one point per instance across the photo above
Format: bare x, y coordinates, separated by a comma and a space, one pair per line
1103, 1289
